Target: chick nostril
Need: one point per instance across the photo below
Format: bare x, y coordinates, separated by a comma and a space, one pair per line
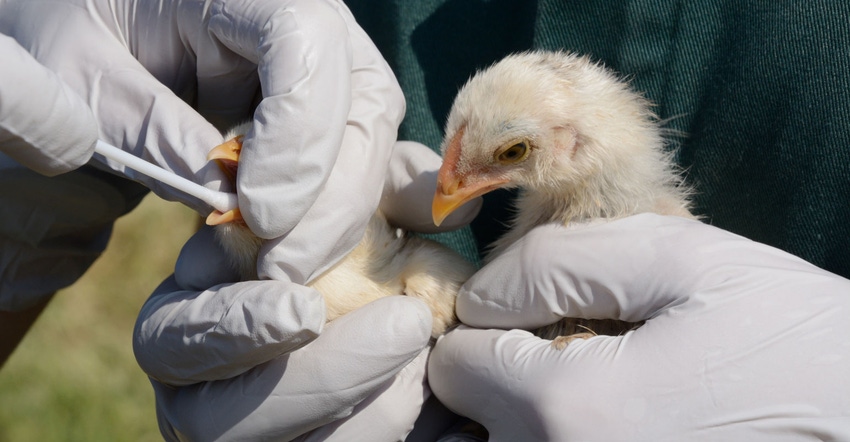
449, 187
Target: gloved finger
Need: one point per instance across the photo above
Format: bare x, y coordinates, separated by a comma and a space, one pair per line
334, 225
629, 269
388, 414
338, 109
355, 356
410, 186
521, 388
188, 336
304, 63
203, 263
328, 231
325, 85
50, 132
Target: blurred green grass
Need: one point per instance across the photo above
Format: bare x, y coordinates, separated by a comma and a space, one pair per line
74, 377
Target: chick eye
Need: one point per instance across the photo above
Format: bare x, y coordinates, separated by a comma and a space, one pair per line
513, 153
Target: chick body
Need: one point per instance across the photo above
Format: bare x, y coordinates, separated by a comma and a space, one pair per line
385, 262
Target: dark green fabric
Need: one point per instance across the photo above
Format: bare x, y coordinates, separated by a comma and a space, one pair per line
759, 92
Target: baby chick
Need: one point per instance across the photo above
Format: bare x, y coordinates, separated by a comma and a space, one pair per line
386, 261
576, 140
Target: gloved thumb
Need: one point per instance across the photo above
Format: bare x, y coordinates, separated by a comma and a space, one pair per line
410, 186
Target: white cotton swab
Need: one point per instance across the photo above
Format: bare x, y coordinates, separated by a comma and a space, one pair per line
221, 201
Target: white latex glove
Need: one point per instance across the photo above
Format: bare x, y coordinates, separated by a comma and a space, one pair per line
742, 341
246, 360
155, 72
51, 131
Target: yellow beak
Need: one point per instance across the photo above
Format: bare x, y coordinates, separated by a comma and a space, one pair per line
452, 193
226, 155
453, 189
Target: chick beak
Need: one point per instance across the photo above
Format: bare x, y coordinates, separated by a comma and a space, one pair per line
453, 192
226, 155
446, 198
454, 188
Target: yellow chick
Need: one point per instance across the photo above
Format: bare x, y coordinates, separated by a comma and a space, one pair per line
575, 139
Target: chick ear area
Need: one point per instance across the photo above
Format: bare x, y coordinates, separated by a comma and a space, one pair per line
565, 139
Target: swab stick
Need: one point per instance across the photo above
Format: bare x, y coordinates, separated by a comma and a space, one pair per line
221, 201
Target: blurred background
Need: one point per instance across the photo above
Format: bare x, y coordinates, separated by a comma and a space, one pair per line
74, 377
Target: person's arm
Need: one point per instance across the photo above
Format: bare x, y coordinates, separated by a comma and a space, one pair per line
46, 127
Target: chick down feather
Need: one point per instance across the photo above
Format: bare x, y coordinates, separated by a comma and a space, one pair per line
577, 141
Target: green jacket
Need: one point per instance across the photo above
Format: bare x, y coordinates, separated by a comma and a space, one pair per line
758, 90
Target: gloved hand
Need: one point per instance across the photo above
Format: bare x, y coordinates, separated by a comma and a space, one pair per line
246, 360
52, 131
742, 341
155, 73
